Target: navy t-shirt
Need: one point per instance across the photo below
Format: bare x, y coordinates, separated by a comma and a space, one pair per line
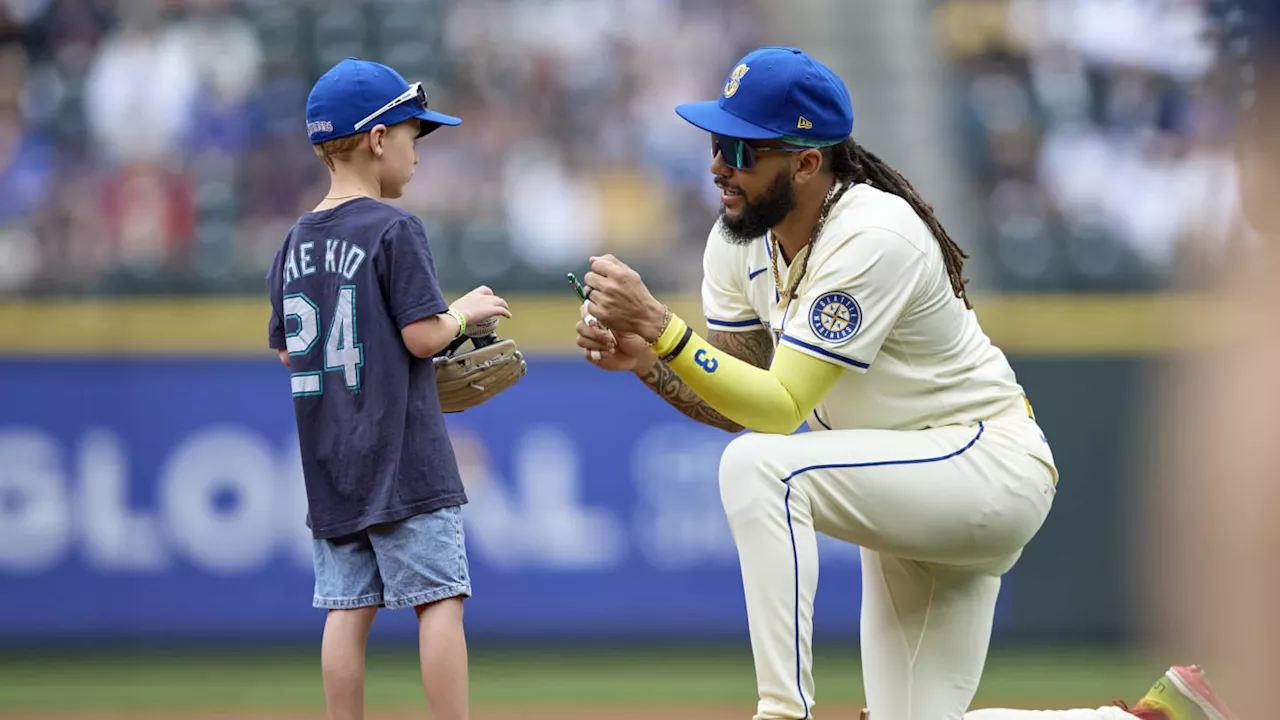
373, 439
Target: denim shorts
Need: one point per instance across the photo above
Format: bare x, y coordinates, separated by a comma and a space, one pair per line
411, 562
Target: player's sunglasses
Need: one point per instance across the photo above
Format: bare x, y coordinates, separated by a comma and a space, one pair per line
740, 154
415, 94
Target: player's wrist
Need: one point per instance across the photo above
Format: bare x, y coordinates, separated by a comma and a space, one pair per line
675, 336
658, 323
644, 362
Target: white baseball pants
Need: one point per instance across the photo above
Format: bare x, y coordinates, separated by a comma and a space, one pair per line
939, 515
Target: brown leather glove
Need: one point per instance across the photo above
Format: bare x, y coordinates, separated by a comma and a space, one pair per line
464, 379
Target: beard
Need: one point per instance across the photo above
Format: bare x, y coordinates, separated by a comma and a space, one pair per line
758, 215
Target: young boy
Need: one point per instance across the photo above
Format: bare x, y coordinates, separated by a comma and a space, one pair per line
357, 315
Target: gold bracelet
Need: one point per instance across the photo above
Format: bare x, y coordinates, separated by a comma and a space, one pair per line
666, 320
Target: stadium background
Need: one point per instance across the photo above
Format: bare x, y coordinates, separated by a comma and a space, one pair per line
152, 551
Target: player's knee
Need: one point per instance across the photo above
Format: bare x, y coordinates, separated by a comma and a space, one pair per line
744, 455
745, 475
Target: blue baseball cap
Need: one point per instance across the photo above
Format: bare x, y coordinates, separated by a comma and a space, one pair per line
777, 93
355, 95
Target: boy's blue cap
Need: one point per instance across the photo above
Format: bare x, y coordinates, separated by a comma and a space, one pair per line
777, 92
352, 90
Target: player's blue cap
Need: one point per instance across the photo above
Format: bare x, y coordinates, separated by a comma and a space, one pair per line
777, 93
355, 95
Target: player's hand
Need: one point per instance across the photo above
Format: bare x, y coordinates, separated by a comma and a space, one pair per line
606, 349
481, 304
618, 298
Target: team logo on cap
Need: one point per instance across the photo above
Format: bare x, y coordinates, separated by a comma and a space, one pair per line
835, 317
735, 79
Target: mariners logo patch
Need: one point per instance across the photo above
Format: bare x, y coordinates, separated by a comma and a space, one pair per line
735, 80
835, 317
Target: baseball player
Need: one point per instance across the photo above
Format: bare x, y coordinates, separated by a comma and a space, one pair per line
358, 318
834, 297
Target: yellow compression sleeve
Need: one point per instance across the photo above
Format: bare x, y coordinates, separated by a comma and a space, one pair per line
776, 400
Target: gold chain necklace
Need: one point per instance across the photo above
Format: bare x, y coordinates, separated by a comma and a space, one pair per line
793, 279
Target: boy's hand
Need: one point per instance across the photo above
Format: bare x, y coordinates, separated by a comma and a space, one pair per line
481, 304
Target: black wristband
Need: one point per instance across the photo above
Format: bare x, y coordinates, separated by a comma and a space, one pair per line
684, 340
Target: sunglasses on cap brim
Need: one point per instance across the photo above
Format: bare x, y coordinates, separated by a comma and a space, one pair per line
740, 154
415, 94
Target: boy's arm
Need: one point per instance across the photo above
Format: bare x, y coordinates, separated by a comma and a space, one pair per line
428, 336
413, 292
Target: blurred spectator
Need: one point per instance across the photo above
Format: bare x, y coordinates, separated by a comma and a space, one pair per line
1099, 132
227, 56
146, 217
141, 87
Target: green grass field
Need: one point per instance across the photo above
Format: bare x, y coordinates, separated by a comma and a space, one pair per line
541, 682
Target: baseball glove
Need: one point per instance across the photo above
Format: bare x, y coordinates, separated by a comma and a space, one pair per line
466, 379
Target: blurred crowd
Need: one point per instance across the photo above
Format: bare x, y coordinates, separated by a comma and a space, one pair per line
158, 146
1098, 134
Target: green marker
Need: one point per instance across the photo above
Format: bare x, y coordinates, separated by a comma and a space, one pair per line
577, 287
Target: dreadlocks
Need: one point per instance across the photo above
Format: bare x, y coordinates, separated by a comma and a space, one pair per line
852, 163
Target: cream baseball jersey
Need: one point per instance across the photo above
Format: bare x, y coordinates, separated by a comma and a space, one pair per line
877, 301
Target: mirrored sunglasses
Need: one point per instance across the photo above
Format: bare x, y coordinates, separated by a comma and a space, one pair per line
740, 154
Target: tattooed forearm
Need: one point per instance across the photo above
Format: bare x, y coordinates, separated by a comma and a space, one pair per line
663, 380
754, 346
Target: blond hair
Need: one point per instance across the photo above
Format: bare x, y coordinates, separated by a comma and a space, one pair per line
337, 147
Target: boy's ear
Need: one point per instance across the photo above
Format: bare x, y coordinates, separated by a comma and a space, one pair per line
377, 137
